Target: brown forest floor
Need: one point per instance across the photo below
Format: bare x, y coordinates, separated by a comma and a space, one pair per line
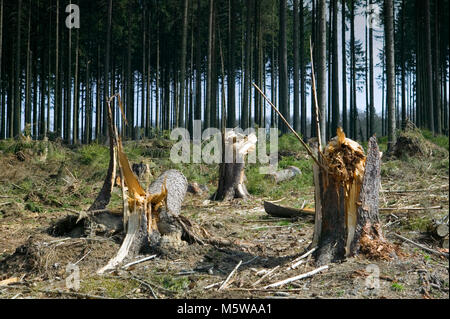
31, 201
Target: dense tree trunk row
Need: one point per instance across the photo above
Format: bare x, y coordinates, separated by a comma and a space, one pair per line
56, 80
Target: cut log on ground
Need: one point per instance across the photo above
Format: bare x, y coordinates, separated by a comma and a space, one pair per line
286, 174
231, 171
348, 221
286, 212
438, 230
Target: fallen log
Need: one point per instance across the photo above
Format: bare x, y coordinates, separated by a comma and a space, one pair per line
286, 212
286, 174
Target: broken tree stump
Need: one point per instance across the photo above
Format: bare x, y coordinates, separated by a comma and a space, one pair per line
347, 217
231, 170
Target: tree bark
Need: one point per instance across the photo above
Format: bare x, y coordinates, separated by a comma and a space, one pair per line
17, 88
321, 65
390, 69
283, 75
2, 105
429, 68
231, 79
344, 70
335, 65
297, 126
181, 122
372, 84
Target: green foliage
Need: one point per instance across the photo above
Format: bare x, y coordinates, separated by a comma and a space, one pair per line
397, 287
34, 207
94, 154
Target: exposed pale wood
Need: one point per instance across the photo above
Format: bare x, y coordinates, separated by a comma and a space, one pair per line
441, 230
130, 237
232, 178
213, 285
389, 209
266, 275
298, 260
9, 281
224, 284
286, 174
138, 261
302, 276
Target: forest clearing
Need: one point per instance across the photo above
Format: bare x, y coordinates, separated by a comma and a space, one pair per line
38, 194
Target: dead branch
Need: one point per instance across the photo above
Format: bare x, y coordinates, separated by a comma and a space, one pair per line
306, 275
224, 284
435, 252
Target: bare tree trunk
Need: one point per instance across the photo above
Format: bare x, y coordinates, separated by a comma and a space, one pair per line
429, 68
2, 103
245, 117
283, 76
181, 122
321, 65
297, 126
437, 71
231, 79
390, 69
335, 77
302, 72
17, 89
209, 85
372, 84
76, 103
28, 75
344, 71
402, 57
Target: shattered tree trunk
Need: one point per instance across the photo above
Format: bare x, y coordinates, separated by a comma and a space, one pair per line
231, 172
347, 219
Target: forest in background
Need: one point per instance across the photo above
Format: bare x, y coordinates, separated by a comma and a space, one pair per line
177, 61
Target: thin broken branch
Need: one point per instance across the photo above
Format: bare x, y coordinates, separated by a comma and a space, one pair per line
306, 275
224, 284
435, 252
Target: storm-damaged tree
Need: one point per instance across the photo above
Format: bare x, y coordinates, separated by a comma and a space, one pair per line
231, 170
346, 196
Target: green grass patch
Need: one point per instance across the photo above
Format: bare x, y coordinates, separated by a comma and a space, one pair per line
397, 287
109, 287
440, 140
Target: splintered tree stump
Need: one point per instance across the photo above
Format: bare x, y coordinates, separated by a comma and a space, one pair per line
347, 218
147, 229
231, 171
